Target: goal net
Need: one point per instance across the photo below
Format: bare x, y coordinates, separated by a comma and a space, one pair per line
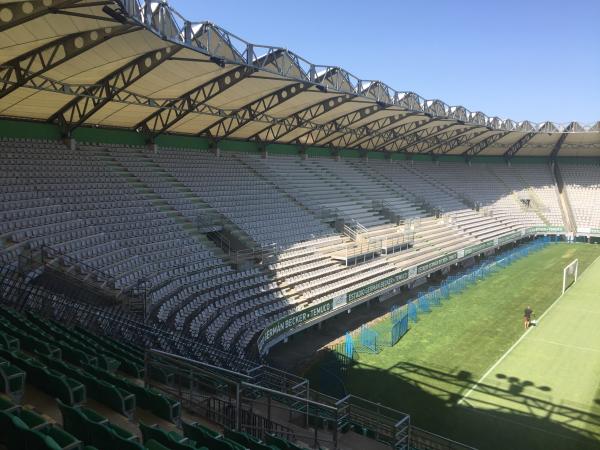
570, 274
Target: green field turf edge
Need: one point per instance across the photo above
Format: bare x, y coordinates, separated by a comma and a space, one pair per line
449, 349
555, 368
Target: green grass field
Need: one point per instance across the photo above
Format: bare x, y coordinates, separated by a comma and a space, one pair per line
543, 394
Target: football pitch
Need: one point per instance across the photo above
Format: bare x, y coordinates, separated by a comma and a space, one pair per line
468, 370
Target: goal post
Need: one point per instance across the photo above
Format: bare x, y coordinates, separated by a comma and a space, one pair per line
570, 274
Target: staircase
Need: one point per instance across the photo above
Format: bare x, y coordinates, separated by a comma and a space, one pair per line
563, 199
213, 229
516, 198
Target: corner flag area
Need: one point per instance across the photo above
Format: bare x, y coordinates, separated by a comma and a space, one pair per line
552, 373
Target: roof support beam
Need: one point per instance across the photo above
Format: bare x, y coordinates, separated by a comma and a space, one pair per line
359, 133
558, 145
513, 149
18, 13
194, 100
421, 133
399, 129
369, 130
112, 86
437, 138
164, 118
299, 119
325, 132
18, 71
253, 111
480, 146
448, 146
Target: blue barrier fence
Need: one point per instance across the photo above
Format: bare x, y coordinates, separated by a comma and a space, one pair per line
372, 338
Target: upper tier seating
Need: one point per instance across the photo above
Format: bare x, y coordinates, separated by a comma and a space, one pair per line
583, 190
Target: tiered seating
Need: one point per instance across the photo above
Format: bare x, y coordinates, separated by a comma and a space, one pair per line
81, 426
132, 215
256, 206
425, 180
542, 190
583, 189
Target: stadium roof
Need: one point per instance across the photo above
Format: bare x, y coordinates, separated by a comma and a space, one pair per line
124, 64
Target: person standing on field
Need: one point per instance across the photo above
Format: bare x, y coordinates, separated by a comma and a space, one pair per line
527, 316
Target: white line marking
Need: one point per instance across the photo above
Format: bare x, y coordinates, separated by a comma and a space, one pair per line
577, 347
470, 391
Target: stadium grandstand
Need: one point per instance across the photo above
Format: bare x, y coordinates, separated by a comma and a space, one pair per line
177, 203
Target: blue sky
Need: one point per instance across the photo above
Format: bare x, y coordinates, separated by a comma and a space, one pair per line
528, 59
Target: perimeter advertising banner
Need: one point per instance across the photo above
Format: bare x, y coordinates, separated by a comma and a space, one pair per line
286, 324
545, 230
377, 286
292, 321
436, 263
478, 248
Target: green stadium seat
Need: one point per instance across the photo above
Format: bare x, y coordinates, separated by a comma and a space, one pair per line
146, 398
7, 405
94, 429
51, 438
9, 342
171, 440
33, 420
155, 445
159, 404
161, 375
67, 389
198, 429
208, 438
13, 431
281, 443
35, 440
12, 379
75, 355
118, 399
247, 440
50, 381
33, 343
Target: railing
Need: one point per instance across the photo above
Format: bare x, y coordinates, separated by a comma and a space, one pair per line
242, 402
468, 201
263, 254
48, 253
134, 295
328, 213
208, 222
425, 440
387, 424
68, 308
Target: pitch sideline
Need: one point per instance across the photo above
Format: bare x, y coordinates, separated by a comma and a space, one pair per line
484, 376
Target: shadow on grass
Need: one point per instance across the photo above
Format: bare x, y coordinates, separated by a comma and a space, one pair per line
513, 414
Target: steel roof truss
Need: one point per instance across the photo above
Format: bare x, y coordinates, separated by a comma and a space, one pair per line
480, 146
299, 119
18, 13
111, 87
192, 101
435, 139
422, 132
18, 71
254, 111
374, 132
325, 132
457, 141
513, 149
